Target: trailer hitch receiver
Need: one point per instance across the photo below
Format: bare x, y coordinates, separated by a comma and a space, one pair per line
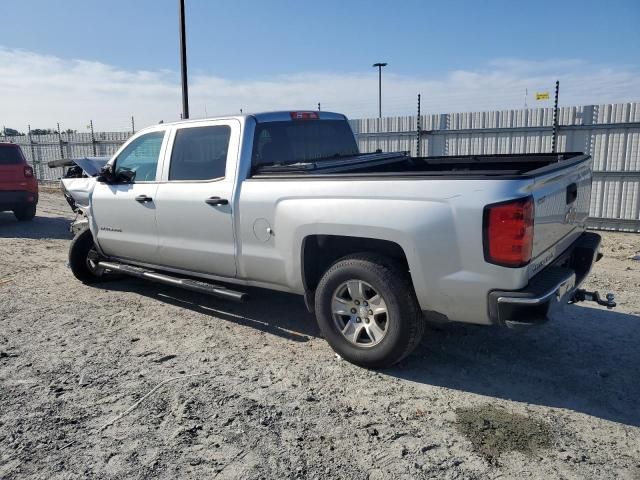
581, 295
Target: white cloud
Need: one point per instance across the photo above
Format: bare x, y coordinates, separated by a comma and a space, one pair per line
43, 89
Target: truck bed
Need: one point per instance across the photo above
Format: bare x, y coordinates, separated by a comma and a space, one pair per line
400, 164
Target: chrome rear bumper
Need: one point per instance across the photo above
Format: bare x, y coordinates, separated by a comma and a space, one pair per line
549, 290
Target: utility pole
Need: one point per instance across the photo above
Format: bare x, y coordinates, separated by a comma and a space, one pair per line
183, 64
554, 140
379, 65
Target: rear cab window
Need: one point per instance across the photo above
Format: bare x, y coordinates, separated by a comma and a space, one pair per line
302, 141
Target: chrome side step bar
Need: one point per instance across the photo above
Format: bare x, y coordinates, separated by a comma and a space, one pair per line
186, 283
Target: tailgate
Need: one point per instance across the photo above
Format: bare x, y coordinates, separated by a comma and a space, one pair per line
562, 198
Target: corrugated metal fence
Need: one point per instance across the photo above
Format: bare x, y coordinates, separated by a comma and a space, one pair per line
40, 149
610, 133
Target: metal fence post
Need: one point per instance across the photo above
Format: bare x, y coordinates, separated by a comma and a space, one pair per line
554, 140
60, 141
34, 161
418, 130
93, 138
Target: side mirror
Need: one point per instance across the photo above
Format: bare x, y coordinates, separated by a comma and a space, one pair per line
106, 174
126, 176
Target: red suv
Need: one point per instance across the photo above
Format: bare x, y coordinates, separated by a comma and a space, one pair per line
18, 184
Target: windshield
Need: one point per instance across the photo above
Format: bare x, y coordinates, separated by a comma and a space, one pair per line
302, 141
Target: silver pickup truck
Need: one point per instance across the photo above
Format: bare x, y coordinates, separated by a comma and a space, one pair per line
376, 243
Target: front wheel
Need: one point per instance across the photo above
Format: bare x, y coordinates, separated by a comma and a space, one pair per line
368, 312
83, 258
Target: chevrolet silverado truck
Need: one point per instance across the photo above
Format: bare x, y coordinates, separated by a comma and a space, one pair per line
376, 243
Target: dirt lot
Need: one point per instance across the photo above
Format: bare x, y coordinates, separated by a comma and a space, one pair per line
254, 392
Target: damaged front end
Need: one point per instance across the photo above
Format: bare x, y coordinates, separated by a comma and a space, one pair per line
77, 184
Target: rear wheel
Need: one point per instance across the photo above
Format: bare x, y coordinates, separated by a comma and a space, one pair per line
25, 213
83, 258
367, 310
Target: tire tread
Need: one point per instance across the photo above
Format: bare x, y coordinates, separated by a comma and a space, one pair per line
78, 250
392, 274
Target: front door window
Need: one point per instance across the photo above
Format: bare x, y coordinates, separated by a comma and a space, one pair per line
141, 157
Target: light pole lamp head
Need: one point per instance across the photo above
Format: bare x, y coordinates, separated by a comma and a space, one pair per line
379, 65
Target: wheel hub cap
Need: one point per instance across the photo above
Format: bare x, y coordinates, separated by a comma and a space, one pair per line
360, 313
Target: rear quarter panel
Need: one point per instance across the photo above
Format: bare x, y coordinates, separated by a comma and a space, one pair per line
438, 224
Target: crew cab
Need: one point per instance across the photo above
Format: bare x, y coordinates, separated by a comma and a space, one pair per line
18, 184
376, 243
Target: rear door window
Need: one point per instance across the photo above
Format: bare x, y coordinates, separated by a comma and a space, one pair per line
141, 157
200, 153
10, 156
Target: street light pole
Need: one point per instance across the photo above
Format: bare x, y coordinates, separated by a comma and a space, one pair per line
379, 65
183, 64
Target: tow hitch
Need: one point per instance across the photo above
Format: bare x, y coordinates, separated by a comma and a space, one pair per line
581, 295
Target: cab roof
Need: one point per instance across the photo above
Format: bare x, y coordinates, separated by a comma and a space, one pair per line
276, 116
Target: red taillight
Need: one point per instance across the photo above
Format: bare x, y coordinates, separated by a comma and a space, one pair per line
508, 232
304, 115
28, 171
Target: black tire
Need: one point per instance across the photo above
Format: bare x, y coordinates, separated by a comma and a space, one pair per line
404, 324
25, 213
81, 248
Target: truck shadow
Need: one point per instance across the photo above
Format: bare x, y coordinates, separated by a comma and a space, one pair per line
268, 311
588, 361
37, 229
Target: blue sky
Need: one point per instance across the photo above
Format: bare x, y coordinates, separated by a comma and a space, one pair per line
263, 54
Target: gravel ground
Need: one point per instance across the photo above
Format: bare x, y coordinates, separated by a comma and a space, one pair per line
253, 391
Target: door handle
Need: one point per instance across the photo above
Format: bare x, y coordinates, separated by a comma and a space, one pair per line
143, 199
216, 201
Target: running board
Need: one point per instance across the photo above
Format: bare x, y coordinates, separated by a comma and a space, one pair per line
186, 283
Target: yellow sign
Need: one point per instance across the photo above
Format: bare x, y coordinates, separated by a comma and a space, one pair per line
542, 96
